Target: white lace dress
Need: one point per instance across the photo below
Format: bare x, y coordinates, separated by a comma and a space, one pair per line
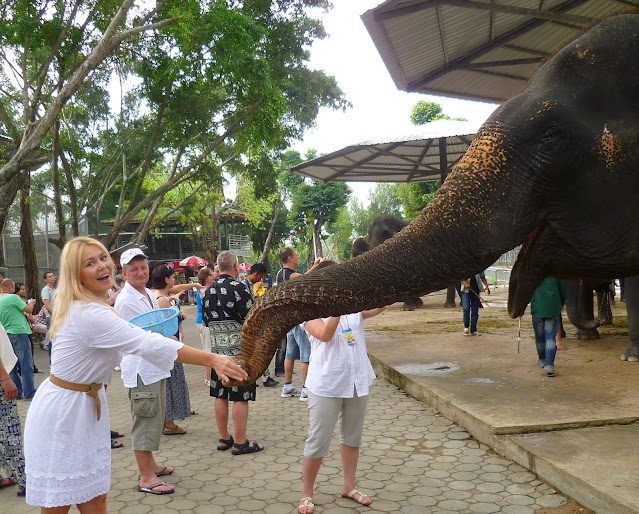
67, 451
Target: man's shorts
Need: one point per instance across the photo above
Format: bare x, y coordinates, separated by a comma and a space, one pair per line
148, 403
298, 347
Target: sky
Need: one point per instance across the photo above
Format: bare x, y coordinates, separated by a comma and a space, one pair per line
379, 108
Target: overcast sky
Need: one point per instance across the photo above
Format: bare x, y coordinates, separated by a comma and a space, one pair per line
379, 108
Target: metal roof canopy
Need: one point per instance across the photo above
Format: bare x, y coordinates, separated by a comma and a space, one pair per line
429, 154
482, 50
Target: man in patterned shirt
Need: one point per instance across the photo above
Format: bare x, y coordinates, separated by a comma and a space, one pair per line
225, 306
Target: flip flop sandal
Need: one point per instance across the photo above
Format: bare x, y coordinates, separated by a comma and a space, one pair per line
163, 471
306, 503
115, 434
22, 491
351, 496
241, 449
8, 484
194, 412
116, 444
151, 489
225, 444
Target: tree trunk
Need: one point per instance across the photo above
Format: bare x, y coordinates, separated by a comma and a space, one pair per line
27, 241
450, 297
271, 230
7, 196
57, 195
73, 195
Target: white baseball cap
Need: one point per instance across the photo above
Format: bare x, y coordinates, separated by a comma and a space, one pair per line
131, 254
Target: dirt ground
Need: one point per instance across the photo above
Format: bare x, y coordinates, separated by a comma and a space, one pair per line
434, 325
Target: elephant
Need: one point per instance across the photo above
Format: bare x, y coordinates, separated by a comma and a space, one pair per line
533, 175
581, 315
580, 305
382, 228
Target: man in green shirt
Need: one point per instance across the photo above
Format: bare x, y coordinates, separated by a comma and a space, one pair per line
12, 317
546, 305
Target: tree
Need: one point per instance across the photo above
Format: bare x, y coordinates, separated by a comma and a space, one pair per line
424, 112
190, 103
314, 205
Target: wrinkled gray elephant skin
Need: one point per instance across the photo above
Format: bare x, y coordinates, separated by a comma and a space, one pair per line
554, 168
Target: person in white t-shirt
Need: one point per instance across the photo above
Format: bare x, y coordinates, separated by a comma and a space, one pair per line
338, 382
48, 299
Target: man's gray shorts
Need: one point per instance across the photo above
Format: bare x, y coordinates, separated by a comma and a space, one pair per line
148, 403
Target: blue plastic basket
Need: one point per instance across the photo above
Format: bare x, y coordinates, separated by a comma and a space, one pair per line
162, 321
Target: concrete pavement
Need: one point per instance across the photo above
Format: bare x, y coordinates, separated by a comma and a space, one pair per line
578, 430
412, 460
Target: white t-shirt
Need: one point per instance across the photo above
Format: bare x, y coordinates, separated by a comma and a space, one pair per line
130, 303
48, 293
335, 367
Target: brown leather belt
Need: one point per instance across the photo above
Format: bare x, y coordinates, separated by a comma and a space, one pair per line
90, 389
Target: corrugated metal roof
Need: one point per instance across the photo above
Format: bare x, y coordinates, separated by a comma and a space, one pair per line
427, 154
476, 49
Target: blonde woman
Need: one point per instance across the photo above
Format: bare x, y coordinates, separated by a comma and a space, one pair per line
70, 462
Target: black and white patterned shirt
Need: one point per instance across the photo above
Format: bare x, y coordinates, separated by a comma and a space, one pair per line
225, 305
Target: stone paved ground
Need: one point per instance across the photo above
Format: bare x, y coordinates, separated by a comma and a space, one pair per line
412, 460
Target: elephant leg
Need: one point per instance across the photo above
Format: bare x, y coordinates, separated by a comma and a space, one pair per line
450, 297
603, 304
411, 304
585, 306
631, 287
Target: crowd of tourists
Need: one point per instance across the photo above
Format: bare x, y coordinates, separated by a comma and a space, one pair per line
85, 328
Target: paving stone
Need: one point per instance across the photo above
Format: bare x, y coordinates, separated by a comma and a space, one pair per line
516, 509
453, 505
486, 508
555, 500
412, 461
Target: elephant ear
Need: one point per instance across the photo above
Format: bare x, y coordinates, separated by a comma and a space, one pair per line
534, 263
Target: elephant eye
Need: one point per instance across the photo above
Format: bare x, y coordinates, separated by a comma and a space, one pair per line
551, 134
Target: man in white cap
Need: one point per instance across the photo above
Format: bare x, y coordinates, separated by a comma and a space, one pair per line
146, 382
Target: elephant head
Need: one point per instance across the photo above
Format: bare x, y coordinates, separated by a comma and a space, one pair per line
553, 169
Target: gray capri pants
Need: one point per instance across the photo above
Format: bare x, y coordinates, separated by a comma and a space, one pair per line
324, 411
148, 403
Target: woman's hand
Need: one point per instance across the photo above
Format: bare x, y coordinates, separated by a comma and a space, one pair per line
226, 368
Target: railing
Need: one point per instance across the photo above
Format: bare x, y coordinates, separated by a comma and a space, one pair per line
240, 245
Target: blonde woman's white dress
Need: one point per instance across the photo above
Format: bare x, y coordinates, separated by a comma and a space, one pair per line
67, 450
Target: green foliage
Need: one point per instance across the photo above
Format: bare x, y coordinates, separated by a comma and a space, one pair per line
341, 239
415, 196
424, 112
318, 202
221, 86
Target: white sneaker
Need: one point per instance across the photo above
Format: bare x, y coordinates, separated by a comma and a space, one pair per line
290, 392
466, 332
117, 368
304, 394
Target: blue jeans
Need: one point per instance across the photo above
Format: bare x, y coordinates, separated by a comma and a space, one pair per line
22, 348
470, 303
545, 333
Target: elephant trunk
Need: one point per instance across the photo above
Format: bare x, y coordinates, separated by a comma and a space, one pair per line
457, 235
572, 309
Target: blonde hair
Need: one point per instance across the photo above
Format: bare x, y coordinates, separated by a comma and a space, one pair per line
70, 288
